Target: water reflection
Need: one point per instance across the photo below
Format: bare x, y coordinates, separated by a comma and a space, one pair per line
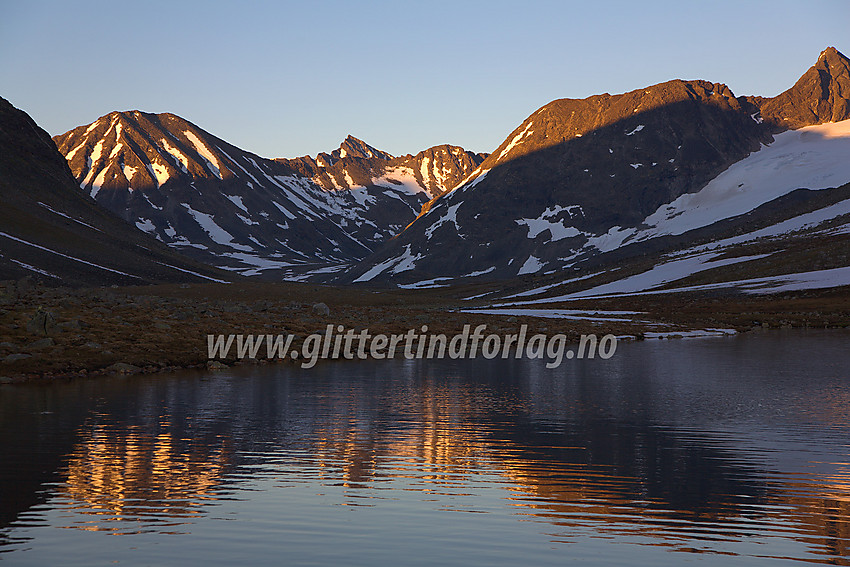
714, 446
155, 475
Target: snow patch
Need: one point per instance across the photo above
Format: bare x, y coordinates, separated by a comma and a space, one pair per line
349, 181
98, 182
449, 216
375, 270
206, 154
557, 230
160, 172
479, 272
215, 232
91, 162
73, 152
571, 314
407, 261
191, 272
237, 200
659, 275
531, 266
400, 178
423, 169
146, 225
284, 210
22, 241
539, 290
34, 269
61, 214
612, 239
181, 160
426, 284
116, 150
802, 222
129, 172
516, 140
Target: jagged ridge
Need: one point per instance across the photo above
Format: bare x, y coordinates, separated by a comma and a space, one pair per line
357, 164
235, 209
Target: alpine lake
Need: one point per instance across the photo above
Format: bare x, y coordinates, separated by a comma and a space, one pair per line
718, 451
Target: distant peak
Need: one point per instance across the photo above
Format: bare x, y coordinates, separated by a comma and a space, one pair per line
355, 147
353, 141
831, 57
830, 53
132, 118
821, 94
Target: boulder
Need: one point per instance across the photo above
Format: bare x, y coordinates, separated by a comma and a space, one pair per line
42, 323
321, 309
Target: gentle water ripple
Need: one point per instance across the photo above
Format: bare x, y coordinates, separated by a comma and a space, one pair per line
620, 461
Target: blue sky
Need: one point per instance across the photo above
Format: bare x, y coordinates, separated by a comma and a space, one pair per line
284, 79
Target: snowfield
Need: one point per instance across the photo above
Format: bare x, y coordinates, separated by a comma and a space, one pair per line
815, 157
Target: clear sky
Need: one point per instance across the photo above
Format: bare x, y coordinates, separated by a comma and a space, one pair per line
284, 79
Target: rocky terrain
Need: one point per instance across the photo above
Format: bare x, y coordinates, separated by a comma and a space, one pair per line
665, 211
604, 175
59, 333
295, 219
357, 164
578, 183
51, 231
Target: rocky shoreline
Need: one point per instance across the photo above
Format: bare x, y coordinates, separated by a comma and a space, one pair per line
60, 333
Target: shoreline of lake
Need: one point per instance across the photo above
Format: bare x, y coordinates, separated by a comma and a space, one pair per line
156, 329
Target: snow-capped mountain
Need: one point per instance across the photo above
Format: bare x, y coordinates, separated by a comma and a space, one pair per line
234, 209
355, 164
53, 232
609, 176
627, 175
228, 207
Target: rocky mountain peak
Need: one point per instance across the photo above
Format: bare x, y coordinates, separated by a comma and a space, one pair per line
357, 148
126, 150
832, 57
821, 95
565, 121
223, 205
56, 233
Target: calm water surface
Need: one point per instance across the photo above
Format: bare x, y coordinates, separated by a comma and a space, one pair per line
717, 451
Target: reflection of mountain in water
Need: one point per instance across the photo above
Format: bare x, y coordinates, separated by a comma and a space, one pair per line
599, 448
143, 473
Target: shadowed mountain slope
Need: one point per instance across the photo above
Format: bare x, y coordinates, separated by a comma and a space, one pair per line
51, 231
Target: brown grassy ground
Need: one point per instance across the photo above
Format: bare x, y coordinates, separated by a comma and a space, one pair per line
164, 327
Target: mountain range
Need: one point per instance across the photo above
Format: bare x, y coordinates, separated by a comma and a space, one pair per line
578, 185
609, 177
239, 211
51, 231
